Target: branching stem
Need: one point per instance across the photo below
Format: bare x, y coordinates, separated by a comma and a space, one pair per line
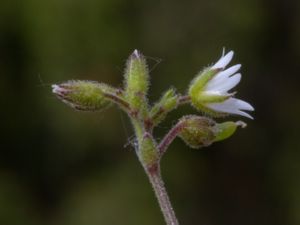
150, 159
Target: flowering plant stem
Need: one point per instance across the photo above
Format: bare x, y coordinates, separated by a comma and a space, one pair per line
162, 195
152, 169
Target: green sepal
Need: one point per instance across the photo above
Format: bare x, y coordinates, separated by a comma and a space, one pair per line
200, 81
210, 98
227, 129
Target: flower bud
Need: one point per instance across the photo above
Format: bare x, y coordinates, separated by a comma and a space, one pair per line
166, 104
136, 80
148, 153
197, 131
82, 95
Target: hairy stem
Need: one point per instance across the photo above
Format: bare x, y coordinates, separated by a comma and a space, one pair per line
162, 195
169, 137
149, 156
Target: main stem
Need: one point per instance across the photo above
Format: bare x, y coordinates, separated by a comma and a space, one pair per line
152, 169
162, 195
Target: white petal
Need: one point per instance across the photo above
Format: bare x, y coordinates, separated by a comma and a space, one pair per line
232, 106
222, 76
56, 88
229, 83
225, 106
241, 104
228, 72
223, 61
241, 113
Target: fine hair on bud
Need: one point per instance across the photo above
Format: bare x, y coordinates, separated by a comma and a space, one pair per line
197, 131
136, 81
167, 103
82, 95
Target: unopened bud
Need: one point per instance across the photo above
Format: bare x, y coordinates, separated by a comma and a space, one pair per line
82, 95
148, 153
167, 103
197, 131
136, 80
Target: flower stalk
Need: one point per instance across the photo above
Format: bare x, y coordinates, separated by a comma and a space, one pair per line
208, 93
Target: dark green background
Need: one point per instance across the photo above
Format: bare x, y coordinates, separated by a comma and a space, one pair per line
61, 167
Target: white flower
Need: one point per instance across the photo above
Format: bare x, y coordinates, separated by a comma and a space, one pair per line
215, 82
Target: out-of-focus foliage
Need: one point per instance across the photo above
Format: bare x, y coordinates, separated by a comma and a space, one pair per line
63, 167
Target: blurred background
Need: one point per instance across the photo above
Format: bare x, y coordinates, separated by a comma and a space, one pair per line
62, 167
